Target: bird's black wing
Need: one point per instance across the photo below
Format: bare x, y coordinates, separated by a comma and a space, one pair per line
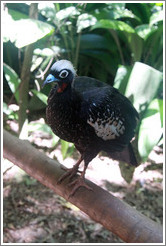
110, 114
84, 83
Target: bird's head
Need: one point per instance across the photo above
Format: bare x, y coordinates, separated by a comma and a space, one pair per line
62, 72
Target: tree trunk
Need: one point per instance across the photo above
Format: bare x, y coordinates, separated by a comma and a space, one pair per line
115, 215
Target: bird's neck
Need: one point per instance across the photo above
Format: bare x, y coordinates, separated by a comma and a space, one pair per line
60, 88
64, 93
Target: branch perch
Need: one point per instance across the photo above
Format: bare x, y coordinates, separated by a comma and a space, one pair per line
115, 215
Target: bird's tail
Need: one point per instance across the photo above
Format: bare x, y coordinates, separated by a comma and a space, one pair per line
126, 155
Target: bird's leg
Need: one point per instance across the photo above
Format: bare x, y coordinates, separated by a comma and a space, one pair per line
79, 182
70, 172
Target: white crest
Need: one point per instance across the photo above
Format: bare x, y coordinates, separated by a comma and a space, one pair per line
64, 64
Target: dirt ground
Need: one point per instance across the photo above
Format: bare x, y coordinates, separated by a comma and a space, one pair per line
33, 213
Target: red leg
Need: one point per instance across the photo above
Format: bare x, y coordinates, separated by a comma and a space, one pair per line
71, 172
79, 182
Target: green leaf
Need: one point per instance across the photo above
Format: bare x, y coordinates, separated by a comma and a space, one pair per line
114, 25
24, 130
6, 109
144, 30
17, 15
9, 112
135, 44
47, 9
91, 7
67, 12
143, 85
95, 41
159, 4
116, 5
160, 102
12, 79
27, 31
127, 171
36, 126
41, 96
156, 17
64, 148
150, 130
125, 13
113, 12
102, 56
153, 48
141, 10
121, 78
85, 20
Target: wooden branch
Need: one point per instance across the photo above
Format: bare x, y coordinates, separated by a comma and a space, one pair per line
115, 215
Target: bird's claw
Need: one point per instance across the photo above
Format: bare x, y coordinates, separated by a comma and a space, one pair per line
70, 172
79, 182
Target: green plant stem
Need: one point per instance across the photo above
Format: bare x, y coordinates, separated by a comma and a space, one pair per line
113, 33
25, 74
71, 38
77, 50
62, 30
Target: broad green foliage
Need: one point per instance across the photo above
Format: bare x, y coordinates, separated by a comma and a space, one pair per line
27, 31
151, 129
12, 79
9, 112
141, 86
156, 17
41, 96
118, 43
115, 25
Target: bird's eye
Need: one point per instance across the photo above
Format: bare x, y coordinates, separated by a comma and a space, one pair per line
63, 74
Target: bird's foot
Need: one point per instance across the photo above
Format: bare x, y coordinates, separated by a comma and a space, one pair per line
70, 173
79, 182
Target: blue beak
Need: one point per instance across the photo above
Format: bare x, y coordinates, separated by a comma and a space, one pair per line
50, 78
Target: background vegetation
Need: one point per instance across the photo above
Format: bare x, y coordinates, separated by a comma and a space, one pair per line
118, 43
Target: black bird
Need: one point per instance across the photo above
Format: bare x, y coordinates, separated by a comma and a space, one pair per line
92, 115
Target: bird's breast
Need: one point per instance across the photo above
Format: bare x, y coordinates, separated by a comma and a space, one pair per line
64, 120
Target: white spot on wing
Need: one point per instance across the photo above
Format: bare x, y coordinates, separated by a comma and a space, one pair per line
109, 130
